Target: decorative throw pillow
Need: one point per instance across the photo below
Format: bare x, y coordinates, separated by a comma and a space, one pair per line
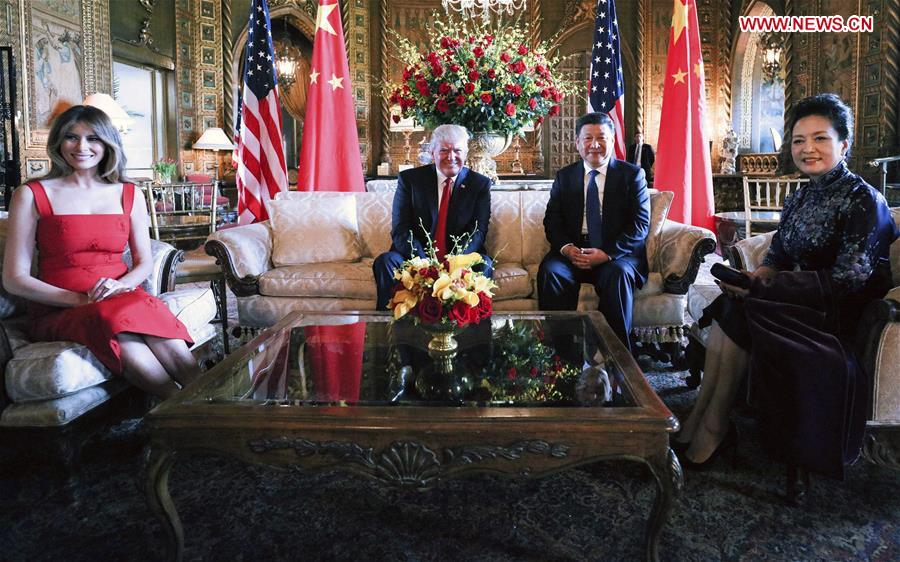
314, 230
660, 201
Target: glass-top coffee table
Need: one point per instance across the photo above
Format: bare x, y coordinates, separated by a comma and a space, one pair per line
522, 394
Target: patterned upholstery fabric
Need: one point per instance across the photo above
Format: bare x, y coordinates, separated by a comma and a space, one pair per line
512, 281
60, 411
504, 239
306, 231
195, 308
43, 370
323, 280
752, 250
660, 201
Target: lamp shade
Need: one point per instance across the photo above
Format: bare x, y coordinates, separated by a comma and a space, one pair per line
213, 138
109, 106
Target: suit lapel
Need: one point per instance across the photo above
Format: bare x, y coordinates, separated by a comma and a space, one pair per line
613, 175
456, 202
429, 184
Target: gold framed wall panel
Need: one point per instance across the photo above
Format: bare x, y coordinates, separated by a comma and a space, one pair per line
72, 42
355, 19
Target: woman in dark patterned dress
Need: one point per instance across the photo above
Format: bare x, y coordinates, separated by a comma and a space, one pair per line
794, 327
79, 219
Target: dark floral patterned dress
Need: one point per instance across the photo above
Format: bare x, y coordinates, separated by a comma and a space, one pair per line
841, 225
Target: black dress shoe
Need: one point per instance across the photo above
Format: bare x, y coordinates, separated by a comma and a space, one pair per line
728, 445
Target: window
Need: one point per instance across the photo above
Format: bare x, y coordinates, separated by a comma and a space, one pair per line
140, 90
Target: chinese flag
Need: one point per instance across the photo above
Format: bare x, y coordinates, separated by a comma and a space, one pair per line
682, 162
335, 356
329, 157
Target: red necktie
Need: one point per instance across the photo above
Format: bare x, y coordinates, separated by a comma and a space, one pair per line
440, 231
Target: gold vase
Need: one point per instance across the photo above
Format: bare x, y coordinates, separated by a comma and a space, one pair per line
440, 380
442, 339
482, 150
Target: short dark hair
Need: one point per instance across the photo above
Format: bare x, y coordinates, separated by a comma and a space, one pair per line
595, 118
829, 106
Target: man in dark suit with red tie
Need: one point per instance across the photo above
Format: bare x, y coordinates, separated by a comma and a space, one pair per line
442, 201
597, 221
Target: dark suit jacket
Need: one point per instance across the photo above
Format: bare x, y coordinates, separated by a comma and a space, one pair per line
625, 211
647, 157
416, 198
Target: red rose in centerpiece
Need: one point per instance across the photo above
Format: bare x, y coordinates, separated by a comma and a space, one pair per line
510, 109
430, 310
486, 97
462, 314
485, 306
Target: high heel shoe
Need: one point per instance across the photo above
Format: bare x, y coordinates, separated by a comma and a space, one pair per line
728, 444
798, 485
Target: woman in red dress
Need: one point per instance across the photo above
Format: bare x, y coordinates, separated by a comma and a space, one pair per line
80, 218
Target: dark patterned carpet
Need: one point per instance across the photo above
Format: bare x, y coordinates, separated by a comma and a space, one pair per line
234, 512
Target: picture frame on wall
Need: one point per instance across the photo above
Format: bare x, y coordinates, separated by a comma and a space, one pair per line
36, 167
207, 9
52, 48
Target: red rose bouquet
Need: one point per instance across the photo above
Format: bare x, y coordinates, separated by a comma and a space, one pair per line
488, 81
443, 291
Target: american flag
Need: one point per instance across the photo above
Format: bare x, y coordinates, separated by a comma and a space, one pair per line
259, 150
607, 89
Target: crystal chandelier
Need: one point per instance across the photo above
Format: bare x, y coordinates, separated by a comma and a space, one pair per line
472, 8
287, 56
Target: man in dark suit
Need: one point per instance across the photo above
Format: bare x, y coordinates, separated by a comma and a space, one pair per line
597, 221
448, 199
641, 154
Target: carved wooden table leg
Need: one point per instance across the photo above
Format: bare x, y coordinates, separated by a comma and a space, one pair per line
158, 462
669, 481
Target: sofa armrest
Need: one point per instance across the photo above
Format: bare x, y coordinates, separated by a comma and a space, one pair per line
680, 253
878, 346
749, 253
162, 276
244, 253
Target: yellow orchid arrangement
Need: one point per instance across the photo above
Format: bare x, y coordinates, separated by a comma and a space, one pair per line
437, 291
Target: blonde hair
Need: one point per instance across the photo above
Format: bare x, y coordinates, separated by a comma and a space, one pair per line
111, 168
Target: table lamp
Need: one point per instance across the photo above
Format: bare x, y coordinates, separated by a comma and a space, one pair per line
104, 102
214, 139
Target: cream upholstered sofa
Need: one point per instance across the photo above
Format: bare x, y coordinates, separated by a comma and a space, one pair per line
50, 384
877, 344
318, 254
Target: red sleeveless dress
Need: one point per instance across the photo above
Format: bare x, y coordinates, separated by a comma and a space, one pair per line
74, 252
